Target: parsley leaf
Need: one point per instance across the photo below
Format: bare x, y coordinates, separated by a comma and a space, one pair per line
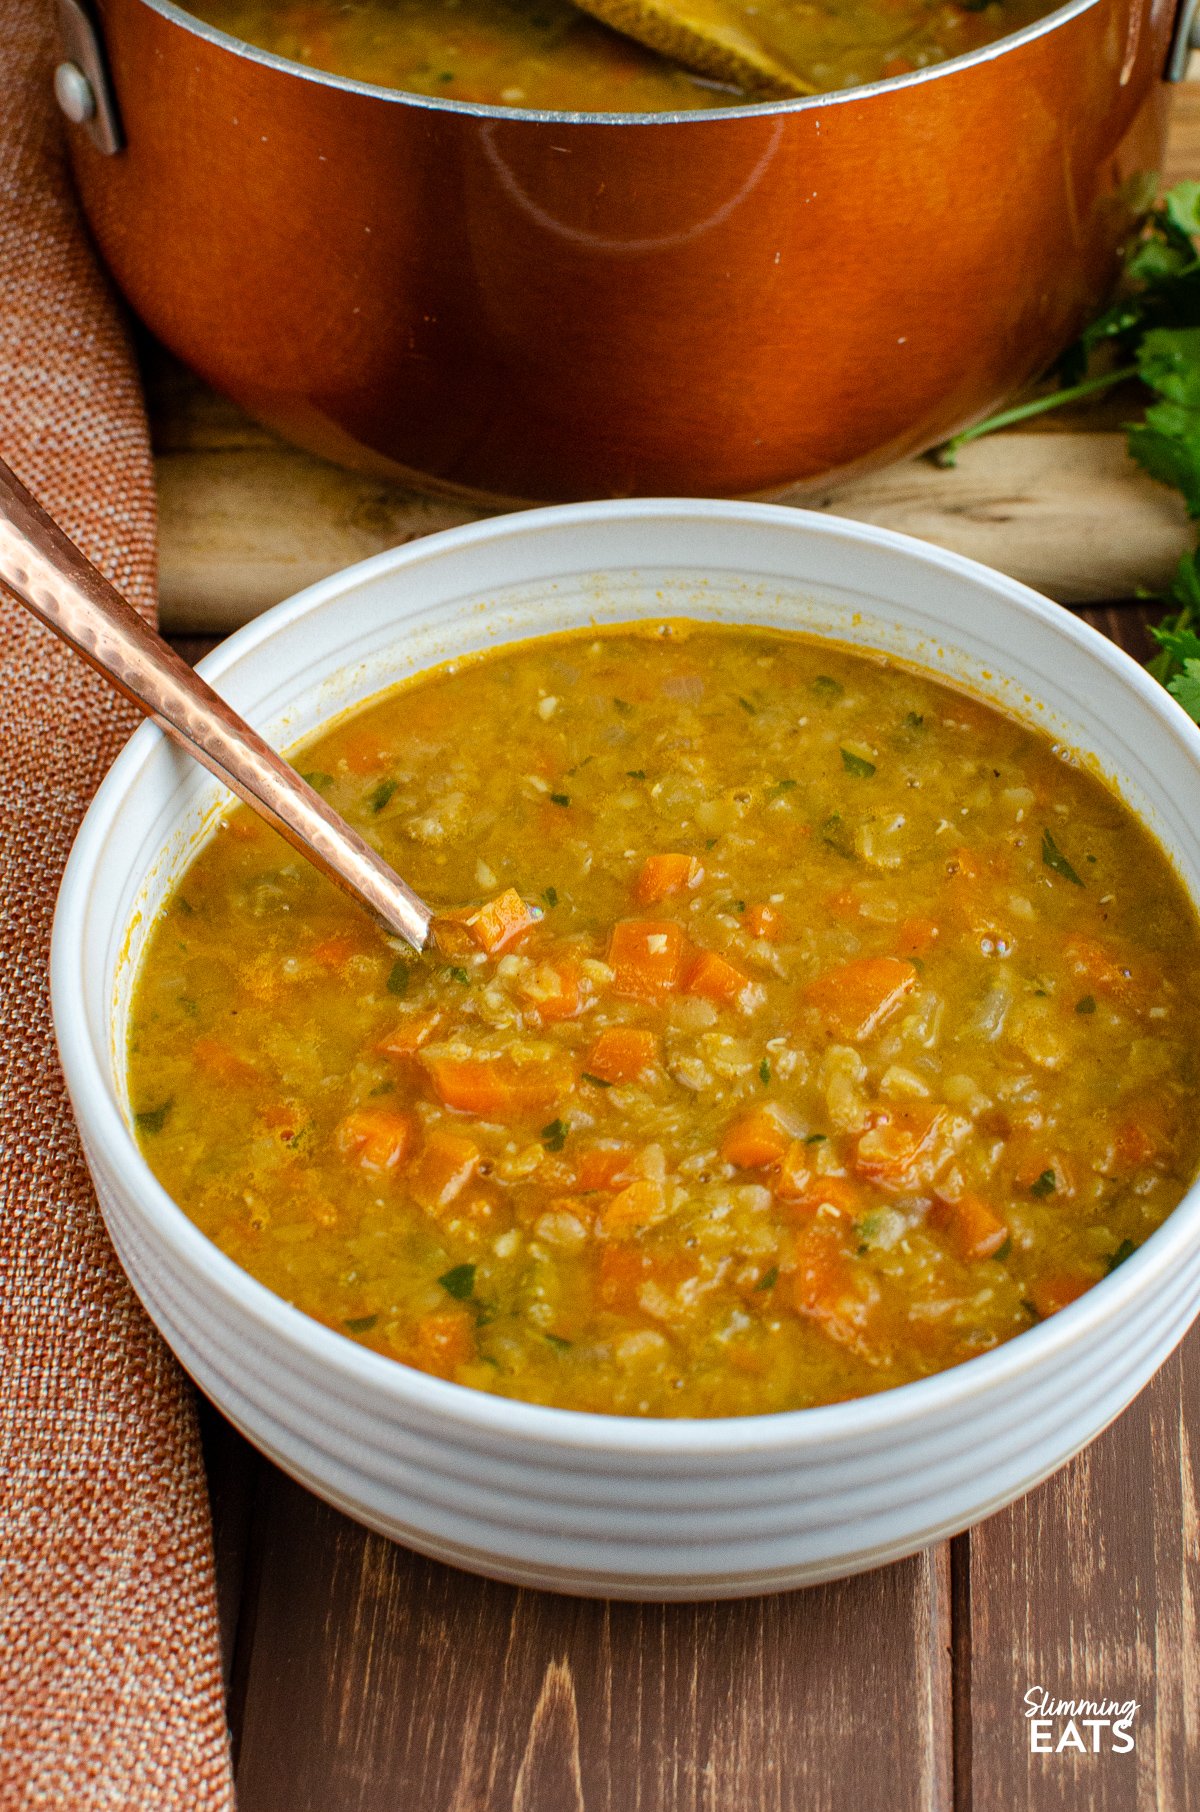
360, 1324
155, 1118
1046, 1184
378, 797
554, 1136
1053, 857
1125, 1250
459, 1282
399, 976
857, 765
769, 1279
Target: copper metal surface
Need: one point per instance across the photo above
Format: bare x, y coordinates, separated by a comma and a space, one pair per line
48, 573
542, 306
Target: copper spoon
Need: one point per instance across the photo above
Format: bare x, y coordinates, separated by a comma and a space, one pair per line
62, 588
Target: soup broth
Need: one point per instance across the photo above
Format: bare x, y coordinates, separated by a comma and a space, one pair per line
857, 1029
546, 54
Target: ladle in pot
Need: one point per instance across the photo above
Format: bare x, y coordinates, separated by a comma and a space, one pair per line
49, 574
706, 36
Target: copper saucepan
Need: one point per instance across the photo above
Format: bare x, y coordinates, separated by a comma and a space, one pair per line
550, 306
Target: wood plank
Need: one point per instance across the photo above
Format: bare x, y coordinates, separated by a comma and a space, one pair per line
241, 529
1090, 1588
246, 520
380, 1680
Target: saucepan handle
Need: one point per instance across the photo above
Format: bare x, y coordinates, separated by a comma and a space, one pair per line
82, 85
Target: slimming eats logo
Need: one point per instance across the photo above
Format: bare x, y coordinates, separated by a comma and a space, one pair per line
1087, 1726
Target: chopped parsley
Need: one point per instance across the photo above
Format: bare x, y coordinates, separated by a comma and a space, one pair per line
1086, 1005
360, 1324
550, 895
596, 1081
769, 1279
857, 765
826, 687
317, 779
764, 1072
1125, 1250
380, 795
155, 1118
554, 1136
399, 976
560, 798
1054, 859
1045, 1185
459, 1282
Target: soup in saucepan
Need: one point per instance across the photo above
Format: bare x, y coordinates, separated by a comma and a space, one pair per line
547, 54
820, 1028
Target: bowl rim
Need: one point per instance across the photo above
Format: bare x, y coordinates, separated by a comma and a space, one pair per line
475, 1412
178, 15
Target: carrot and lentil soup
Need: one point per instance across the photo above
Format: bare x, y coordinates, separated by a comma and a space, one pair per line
547, 54
818, 1028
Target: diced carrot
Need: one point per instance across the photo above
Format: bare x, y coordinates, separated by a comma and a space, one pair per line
762, 920
376, 1136
897, 66
414, 1030
364, 753
844, 904
604, 1167
622, 1054
333, 951
556, 990
442, 1341
756, 1141
664, 875
1138, 1142
625, 1266
916, 937
1054, 1291
490, 927
639, 1205
218, 1060
647, 957
498, 1087
1101, 966
715, 978
975, 1230
857, 998
623, 1270
804, 1190
890, 1151
827, 1289
445, 1167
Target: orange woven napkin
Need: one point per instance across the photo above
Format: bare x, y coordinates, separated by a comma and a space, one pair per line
110, 1680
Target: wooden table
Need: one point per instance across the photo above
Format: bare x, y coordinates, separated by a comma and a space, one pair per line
365, 1679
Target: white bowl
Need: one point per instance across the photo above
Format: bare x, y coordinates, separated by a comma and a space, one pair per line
608, 1505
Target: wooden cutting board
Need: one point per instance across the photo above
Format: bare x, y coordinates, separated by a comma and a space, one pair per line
246, 520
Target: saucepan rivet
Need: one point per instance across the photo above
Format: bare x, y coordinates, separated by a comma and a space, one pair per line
74, 94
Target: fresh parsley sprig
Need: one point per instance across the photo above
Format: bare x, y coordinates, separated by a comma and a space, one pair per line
1151, 333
